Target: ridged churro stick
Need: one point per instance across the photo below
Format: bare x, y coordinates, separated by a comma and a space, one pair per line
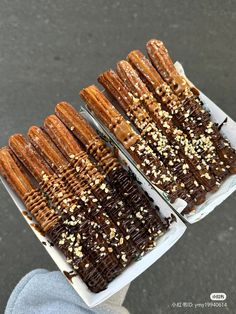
13, 172
181, 114
36, 204
210, 150
169, 100
140, 151
62, 137
190, 102
32, 161
88, 136
72, 211
179, 141
72, 151
164, 120
165, 66
76, 123
81, 188
107, 196
118, 242
115, 173
148, 129
145, 69
14, 175
47, 149
103, 109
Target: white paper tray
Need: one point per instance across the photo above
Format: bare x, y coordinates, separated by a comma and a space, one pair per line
229, 131
165, 242
212, 199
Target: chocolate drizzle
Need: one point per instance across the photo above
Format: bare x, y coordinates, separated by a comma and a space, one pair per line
69, 275
192, 113
148, 129
99, 225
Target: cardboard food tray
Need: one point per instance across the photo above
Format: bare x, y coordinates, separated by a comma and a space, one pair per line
228, 129
175, 231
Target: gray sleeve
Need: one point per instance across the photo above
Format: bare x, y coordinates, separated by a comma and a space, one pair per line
44, 292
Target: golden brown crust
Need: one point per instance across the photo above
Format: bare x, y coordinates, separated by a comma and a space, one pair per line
61, 136
34, 201
131, 79
145, 69
149, 131
116, 87
189, 103
66, 174
164, 121
27, 154
88, 136
104, 110
14, 174
76, 123
192, 125
140, 151
161, 60
74, 153
160, 57
46, 148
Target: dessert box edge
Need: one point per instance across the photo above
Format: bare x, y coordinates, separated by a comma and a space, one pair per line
173, 234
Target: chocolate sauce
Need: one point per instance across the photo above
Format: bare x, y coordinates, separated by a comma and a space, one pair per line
170, 220
50, 243
223, 123
69, 275
38, 228
26, 214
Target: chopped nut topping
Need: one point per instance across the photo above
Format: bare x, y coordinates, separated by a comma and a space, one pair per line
121, 241
123, 257
103, 186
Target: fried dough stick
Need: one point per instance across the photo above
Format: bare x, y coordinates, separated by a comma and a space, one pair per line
115, 173
81, 188
109, 198
202, 142
37, 204
141, 118
138, 148
164, 121
72, 211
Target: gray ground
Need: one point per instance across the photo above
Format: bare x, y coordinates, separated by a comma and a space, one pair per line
49, 50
